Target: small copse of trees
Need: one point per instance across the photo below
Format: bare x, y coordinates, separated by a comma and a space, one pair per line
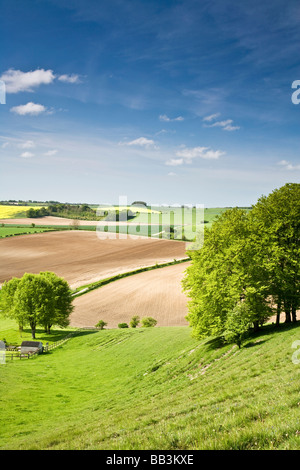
37, 299
248, 268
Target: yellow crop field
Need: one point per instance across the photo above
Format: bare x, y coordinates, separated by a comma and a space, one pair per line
9, 212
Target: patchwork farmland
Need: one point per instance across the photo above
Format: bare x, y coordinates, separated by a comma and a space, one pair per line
81, 258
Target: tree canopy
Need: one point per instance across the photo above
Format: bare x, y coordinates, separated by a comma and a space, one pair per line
37, 299
251, 257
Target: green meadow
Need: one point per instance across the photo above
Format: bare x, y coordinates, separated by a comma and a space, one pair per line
154, 388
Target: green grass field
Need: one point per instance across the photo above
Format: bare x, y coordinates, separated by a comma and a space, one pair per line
9, 231
154, 388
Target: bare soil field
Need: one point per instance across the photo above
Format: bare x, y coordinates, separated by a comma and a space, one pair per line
81, 257
156, 293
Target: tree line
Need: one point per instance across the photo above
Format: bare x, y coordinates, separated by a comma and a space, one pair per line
248, 268
75, 211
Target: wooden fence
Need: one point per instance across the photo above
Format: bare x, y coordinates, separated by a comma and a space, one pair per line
18, 355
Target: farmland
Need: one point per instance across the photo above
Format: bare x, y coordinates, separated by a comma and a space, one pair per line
142, 388
80, 256
14, 211
154, 293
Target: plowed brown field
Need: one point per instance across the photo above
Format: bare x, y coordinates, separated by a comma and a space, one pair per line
81, 257
156, 293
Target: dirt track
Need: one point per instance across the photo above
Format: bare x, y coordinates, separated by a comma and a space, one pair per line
156, 293
80, 256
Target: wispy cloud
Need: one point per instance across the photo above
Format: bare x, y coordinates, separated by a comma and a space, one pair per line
226, 125
29, 144
141, 142
187, 155
199, 152
27, 155
30, 108
50, 153
73, 78
165, 118
288, 166
211, 117
175, 161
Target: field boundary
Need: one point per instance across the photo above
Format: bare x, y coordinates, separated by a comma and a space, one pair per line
18, 355
95, 285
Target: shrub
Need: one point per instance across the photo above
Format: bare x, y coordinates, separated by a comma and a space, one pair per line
122, 325
101, 324
134, 321
148, 322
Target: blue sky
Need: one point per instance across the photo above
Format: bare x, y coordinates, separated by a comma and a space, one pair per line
164, 101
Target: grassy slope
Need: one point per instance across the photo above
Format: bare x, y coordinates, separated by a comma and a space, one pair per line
154, 389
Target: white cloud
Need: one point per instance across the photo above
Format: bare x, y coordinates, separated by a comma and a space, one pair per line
289, 166
211, 117
50, 153
186, 155
225, 125
199, 152
27, 154
29, 108
175, 161
165, 118
172, 173
29, 144
5, 144
16, 80
231, 128
141, 142
73, 78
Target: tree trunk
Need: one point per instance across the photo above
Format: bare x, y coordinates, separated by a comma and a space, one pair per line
32, 325
278, 313
288, 318
294, 313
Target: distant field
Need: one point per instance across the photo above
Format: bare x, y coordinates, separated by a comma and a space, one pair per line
11, 231
186, 223
80, 256
10, 212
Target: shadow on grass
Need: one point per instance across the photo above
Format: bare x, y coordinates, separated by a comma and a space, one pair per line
253, 336
53, 336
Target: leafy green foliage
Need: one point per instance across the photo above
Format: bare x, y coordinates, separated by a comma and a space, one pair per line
37, 299
101, 324
250, 256
148, 322
237, 324
123, 325
135, 320
74, 211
